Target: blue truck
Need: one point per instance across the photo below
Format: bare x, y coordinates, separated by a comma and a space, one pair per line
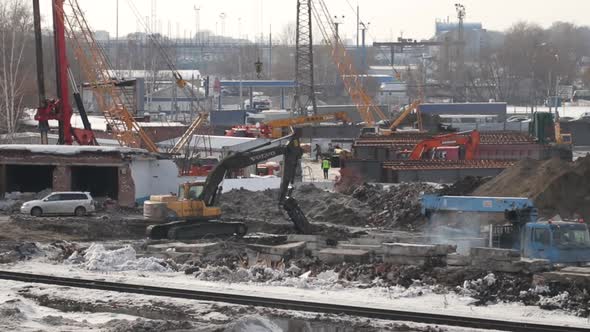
566, 242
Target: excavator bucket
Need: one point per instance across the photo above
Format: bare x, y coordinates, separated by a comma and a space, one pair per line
297, 216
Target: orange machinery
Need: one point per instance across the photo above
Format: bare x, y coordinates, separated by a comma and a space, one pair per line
447, 146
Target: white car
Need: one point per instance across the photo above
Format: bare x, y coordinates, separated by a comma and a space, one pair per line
60, 203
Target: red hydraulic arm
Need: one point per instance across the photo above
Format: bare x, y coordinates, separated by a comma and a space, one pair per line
59, 109
470, 142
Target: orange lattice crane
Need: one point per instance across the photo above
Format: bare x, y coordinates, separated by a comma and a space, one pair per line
98, 73
344, 63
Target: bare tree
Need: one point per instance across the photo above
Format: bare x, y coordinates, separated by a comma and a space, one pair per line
15, 32
287, 35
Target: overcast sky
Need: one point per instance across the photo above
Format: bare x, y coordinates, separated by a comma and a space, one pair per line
388, 18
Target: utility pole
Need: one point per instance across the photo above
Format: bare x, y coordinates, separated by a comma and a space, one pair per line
358, 25
460, 68
304, 80
270, 53
364, 28
197, 28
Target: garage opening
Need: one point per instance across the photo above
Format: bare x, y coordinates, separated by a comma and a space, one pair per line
99, 181
28, 178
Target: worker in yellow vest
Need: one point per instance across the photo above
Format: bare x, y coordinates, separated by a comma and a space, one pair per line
326, 167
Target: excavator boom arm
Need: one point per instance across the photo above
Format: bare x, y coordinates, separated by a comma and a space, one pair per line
291, 152
471, 143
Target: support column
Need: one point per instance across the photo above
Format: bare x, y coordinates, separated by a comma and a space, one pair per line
62, 178
282, 98
126, 190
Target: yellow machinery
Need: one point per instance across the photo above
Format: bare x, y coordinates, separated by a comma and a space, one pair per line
193, 212
412, 107
277, 127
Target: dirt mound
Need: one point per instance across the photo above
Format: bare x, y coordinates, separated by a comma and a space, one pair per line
368, 205
319, 206
556, 187
465, 186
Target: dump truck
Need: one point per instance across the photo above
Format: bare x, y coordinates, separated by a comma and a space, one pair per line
560, 242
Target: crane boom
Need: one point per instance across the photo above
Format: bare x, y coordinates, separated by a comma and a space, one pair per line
97, 71
187, 89
346, 68
404, 115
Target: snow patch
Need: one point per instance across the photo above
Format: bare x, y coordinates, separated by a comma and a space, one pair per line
254, 324
97, 258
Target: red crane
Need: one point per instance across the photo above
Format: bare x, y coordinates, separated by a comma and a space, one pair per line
59, 108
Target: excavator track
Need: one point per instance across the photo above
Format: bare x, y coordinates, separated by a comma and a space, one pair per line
190, 230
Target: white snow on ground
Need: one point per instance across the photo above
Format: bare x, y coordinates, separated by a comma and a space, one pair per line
21, 314
97, 258
39, 318
416, 298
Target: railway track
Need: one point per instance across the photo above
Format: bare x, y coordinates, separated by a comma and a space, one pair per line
386, 314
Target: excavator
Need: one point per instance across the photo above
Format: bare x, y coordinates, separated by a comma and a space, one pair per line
195, 211
447, 147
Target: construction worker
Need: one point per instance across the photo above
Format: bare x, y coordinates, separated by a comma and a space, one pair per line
326, 167
318, 152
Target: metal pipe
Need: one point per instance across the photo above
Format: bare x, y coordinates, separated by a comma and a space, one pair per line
43, 125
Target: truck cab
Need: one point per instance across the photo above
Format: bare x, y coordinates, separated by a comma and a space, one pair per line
559, 242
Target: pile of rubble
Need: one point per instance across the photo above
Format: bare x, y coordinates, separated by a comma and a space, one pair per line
398, 206
369, 205
319, 205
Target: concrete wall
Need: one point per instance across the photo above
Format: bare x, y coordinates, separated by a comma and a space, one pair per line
153, 177
511, 151
370, 170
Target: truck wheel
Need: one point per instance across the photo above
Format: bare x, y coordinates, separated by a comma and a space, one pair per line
80, 211
36, 212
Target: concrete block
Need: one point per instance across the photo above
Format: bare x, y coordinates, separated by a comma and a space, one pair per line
197, 248
336, 256
568, 276
366, 241
306, 238
535, 265
407, 249
367, 247
496, 254
504, 266
458, 260
405, 260
294, 249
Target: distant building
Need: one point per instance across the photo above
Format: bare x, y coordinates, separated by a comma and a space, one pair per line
393, 94
101, 35
475, 36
